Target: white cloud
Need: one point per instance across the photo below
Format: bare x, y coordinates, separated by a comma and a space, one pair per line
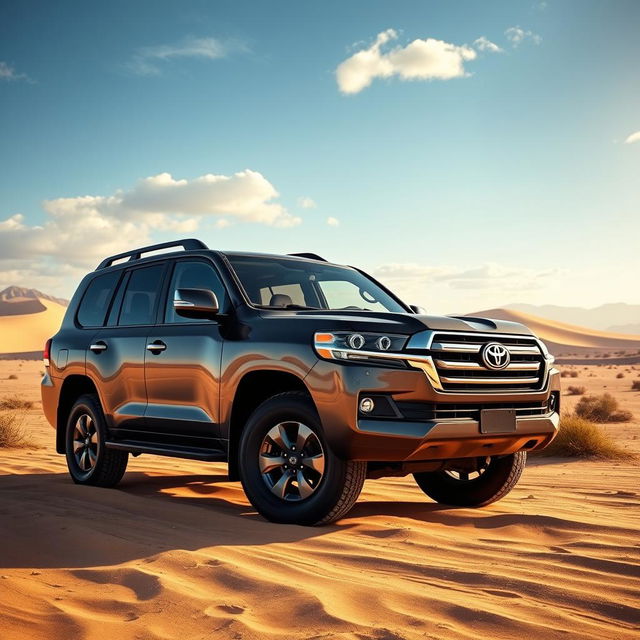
516, 36
79, 231
306, 202
419, 60
634, 137
333, 222
9, 74
147, 61
484, 44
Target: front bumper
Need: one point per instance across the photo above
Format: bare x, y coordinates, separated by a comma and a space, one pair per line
446, 439
336, 390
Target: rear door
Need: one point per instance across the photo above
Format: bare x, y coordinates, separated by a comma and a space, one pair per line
115, 359
183, 371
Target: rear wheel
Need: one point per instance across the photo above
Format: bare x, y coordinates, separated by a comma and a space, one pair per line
474, 482
88, 460
288, 471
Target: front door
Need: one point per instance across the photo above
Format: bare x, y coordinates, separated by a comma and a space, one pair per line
182, 362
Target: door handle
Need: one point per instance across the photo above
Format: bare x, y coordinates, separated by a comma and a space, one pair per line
98, 347
158, 345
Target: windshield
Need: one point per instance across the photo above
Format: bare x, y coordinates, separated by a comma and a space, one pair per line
295, 284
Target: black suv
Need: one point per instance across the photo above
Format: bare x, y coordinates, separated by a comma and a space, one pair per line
306, 377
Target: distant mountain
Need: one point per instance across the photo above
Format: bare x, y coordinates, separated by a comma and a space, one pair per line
17, 294
626, 328
616, 318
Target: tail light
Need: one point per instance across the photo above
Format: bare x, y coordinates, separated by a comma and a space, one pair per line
46, 354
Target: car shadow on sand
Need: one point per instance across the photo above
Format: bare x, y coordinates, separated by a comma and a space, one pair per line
48, 521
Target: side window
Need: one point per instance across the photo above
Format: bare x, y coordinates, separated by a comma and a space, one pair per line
193, 274
95, 302
141, 297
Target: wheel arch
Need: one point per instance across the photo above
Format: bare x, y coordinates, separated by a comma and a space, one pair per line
253, 389
72, 388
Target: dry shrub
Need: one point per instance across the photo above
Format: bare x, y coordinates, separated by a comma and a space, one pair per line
575, 391
13, 376
568, 374
602, 408
620, 375
15, 402
12, 432
635, 385
580, 438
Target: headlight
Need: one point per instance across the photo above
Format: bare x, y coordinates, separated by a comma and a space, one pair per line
355, 345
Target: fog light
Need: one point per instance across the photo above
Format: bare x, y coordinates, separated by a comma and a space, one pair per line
367, 405
552, 402
383, 343
355, 341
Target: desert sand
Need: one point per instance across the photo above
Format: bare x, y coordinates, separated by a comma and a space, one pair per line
176, 551
561, 337
28, 332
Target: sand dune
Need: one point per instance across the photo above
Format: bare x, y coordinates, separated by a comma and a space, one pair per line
24, 333
177, 552
561, 337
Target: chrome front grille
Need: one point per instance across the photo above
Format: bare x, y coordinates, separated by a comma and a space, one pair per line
460, 367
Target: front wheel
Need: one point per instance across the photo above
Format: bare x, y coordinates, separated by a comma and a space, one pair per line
288, 471
474, 482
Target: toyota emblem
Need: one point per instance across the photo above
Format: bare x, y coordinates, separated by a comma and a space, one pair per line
495, 355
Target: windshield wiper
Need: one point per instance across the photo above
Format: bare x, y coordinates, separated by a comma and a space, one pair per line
299, 307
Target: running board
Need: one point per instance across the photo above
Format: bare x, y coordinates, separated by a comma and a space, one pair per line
173, 451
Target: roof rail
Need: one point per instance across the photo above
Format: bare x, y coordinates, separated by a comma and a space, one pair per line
311, 256
188, 244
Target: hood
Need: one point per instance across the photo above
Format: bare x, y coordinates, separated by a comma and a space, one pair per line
471, 325
404, 322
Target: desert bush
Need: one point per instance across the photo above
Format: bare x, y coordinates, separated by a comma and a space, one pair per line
635, 385
620, 375
13, 376
580, 438
15, 402
602, 408
575, 391
12, 432
568, 374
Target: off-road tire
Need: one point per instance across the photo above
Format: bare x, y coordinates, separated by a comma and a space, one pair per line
110, 464
500, 477
336, 492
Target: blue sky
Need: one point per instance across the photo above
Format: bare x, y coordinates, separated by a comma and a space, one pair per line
464, 173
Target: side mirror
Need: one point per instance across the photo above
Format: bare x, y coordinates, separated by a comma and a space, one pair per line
417, 310
195, 303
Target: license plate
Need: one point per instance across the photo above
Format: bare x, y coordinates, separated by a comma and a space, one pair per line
497, 420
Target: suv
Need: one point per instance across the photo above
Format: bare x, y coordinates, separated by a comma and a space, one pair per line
305, 376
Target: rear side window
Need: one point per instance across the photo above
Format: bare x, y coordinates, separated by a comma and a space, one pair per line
141, 297
95, 302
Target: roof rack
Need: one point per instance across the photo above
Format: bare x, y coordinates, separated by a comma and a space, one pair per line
188, 244
311, 256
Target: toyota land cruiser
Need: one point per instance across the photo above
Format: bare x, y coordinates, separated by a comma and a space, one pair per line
305, 376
